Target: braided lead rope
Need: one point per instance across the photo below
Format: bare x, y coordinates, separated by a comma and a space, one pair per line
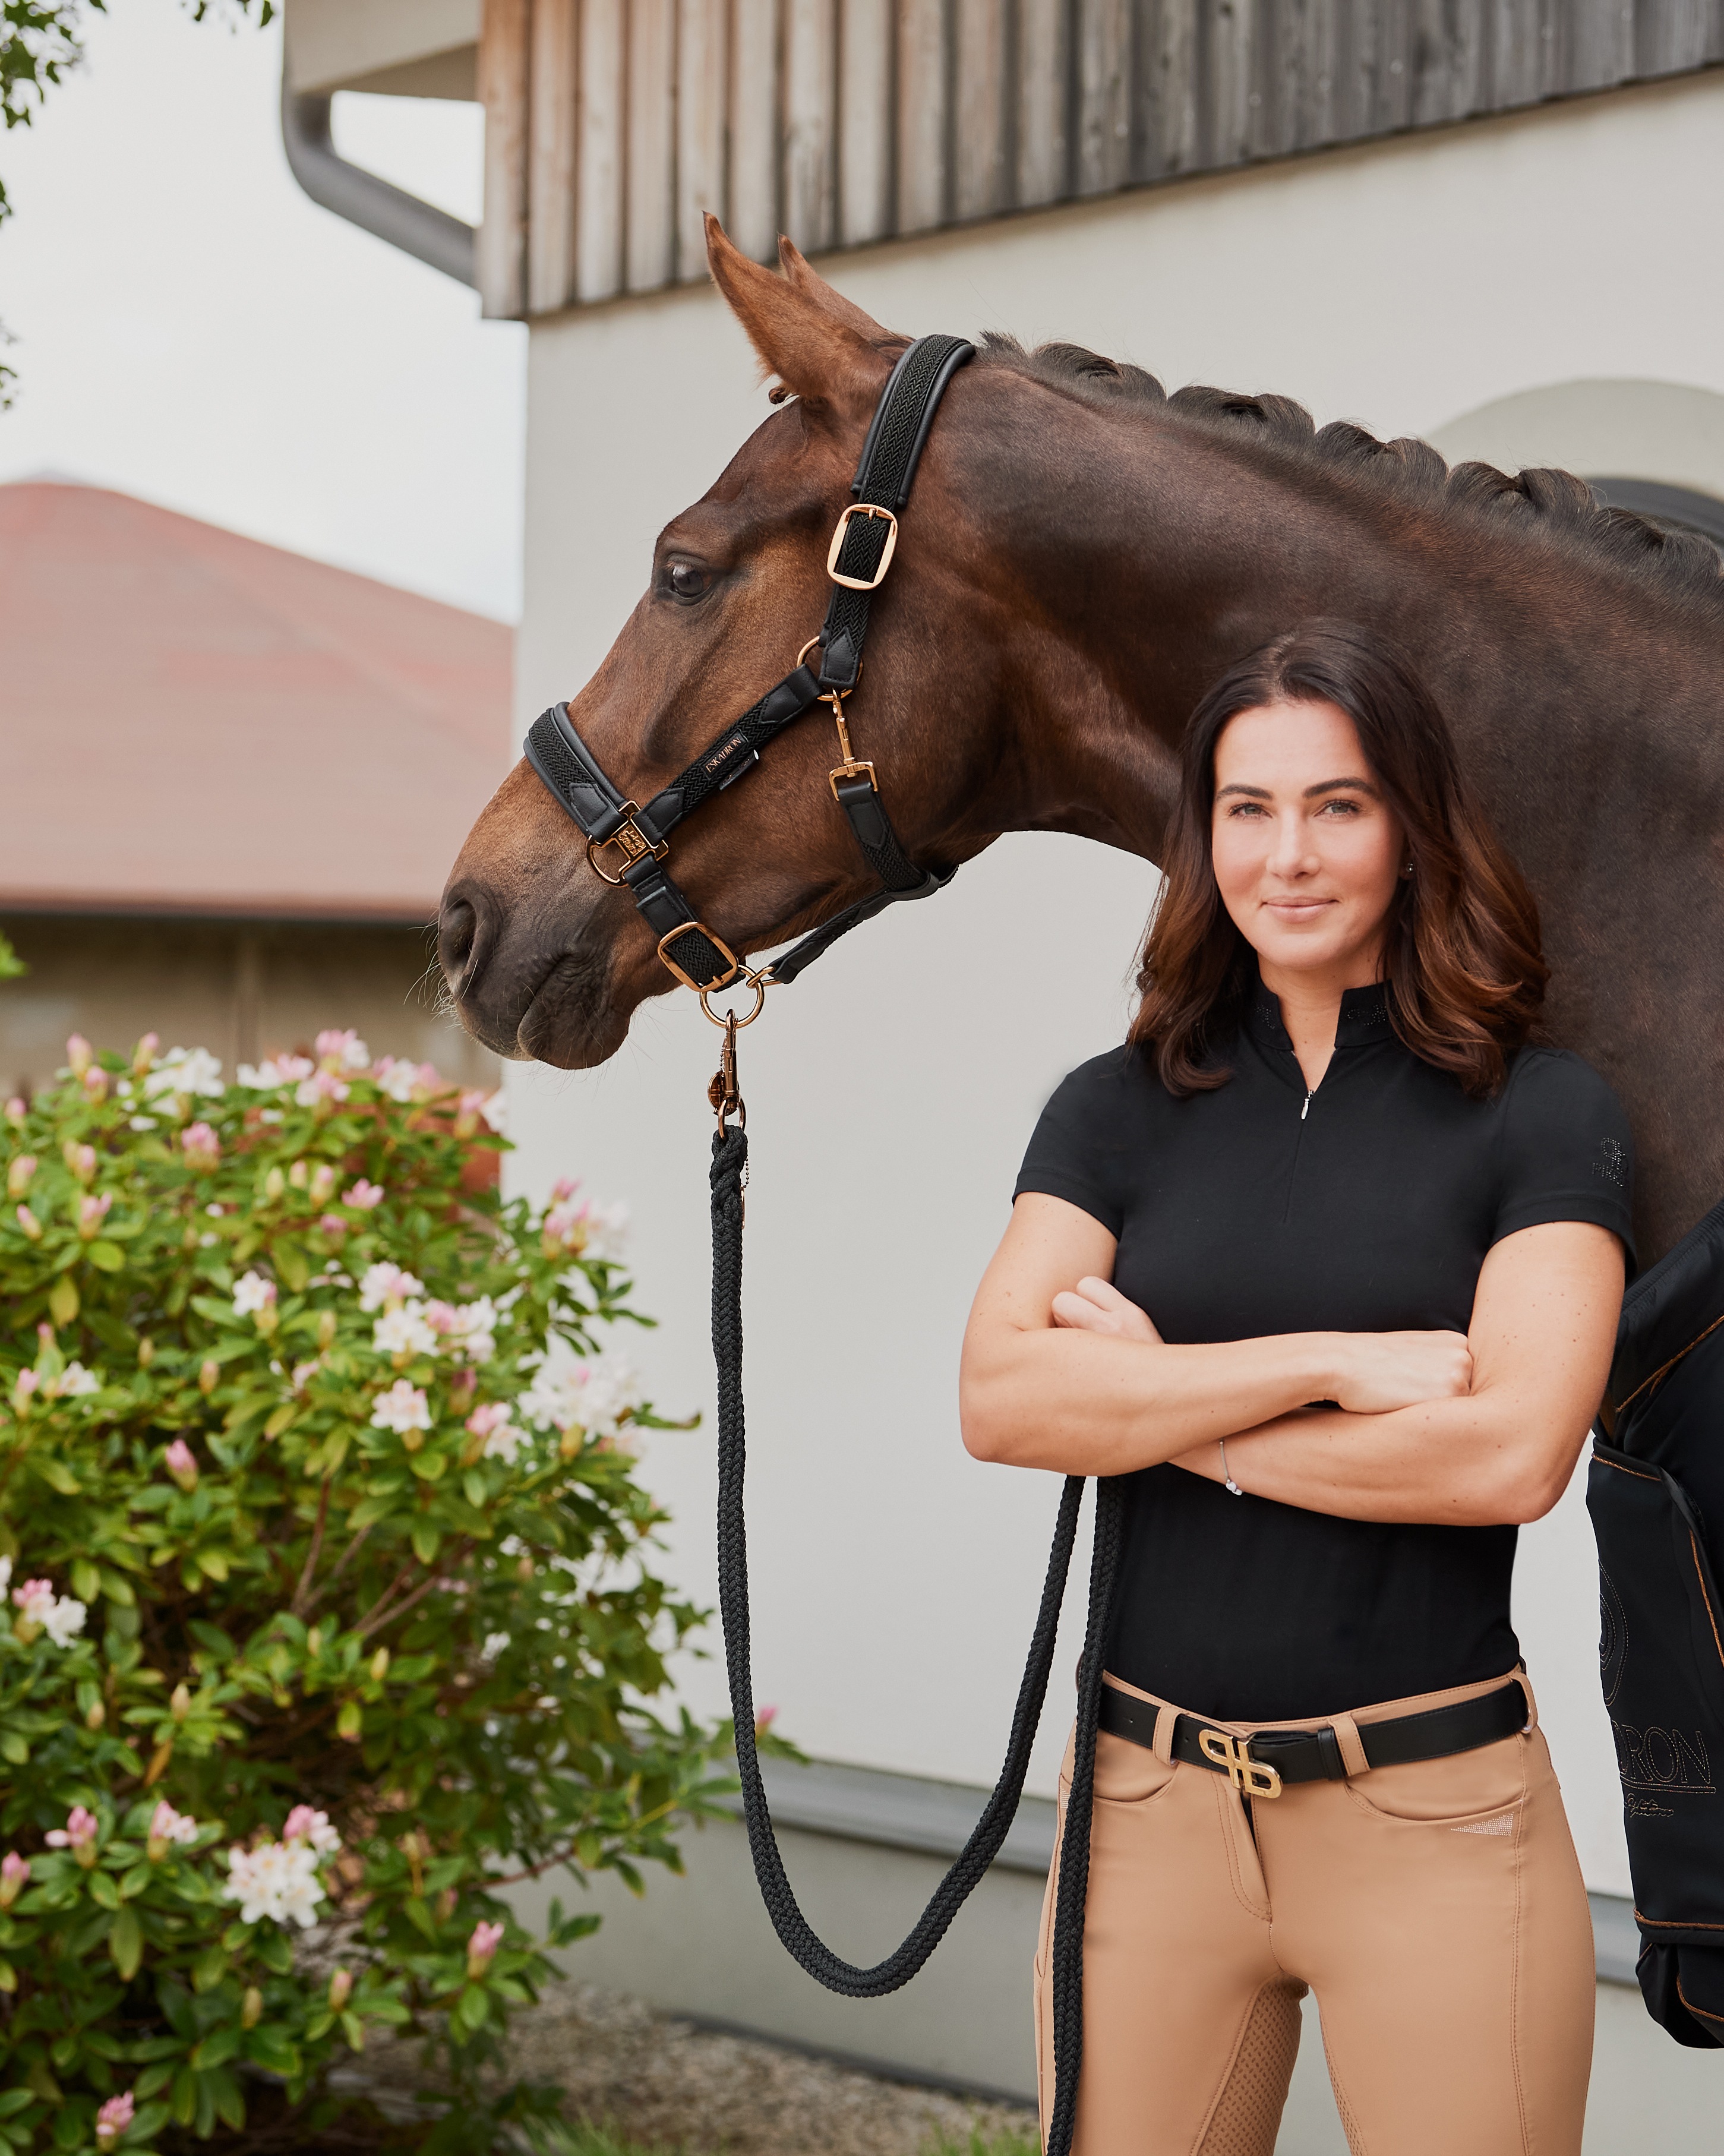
730, 1157
1067, 1955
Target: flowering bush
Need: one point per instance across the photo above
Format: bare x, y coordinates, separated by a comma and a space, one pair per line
326, 1610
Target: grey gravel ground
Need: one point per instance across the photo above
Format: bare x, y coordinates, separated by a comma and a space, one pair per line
667, 2084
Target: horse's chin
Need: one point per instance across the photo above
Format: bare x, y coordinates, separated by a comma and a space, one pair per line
573, 1022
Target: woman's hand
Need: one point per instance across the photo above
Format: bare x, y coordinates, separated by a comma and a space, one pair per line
1096, 1305
1376, 1373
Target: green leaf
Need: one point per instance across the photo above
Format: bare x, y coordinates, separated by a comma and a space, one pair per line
55, 1473
425, 1539
291, 1266
63, 1300
476, 1487
208, 1970
86, 1580
107, 1257
118, 1589
104, 1890
14, 1749
126, 1943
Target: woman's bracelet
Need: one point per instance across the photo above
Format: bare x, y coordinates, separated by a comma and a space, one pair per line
1233, 1487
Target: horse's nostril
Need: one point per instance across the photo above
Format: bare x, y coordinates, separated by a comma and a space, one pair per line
457, 931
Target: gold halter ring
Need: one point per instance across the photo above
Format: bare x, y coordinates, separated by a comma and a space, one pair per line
756, 980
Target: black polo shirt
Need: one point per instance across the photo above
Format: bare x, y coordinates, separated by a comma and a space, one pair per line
1365, 1207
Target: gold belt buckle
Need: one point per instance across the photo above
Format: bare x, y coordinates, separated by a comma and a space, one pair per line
1251, 1778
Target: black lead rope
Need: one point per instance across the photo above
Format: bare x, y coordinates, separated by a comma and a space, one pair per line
729, 1160
636, 841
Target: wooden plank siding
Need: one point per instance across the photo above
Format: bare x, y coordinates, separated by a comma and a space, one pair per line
612, 126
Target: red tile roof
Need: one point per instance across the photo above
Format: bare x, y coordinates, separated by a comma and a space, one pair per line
193, 722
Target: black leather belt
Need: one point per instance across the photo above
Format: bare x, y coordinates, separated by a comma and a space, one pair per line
1260, 1763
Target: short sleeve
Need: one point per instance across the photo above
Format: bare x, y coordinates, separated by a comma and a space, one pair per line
1075, 1151
1566, 1151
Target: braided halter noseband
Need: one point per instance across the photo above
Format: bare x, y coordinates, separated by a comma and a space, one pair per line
861, 552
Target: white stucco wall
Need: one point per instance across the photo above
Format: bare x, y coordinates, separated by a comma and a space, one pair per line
891, 1092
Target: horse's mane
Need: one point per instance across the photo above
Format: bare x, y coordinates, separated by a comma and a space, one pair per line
1555, 504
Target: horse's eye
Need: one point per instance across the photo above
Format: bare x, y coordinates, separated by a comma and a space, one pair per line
685, 580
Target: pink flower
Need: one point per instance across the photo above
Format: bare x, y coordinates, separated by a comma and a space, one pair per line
166, 1827
91, 1213
201, 1146
23, 1385
343, 1051
482, 1947
332, 1224
80, 1159
14, 1871
80, 1055
341, 1988
306, 1825
323, 1183
78, 1834
364, 1196
19, 1175
144, 1054
404, 1410
95, 1083
31, 1226
35, 1598
17, 1112
490, 1424
182, 1464
322, 1085
764, 1718
113, 2119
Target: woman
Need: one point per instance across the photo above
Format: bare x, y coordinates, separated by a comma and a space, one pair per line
1327, 1261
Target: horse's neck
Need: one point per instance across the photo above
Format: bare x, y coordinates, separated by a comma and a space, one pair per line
1585, 707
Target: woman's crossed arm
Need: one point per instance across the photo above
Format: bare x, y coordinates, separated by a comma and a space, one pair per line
1429, 1426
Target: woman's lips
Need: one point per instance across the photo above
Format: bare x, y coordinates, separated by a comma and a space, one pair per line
1297, 910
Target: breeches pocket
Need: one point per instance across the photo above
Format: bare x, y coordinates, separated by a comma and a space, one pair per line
1481, 1786
1125, 1774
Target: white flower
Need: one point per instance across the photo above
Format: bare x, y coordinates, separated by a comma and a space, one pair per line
76, 1381
252, 1293
402, 1329
343, 1051
594, 1396
467, 1329
5, 1575
276, 1071
140, 1123
384, 1285
397, 1077
403, 1408
64, 1621
494, 1644
303, 1373
277, 1880
185, 1070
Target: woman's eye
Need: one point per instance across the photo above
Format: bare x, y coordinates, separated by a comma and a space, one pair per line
685, 581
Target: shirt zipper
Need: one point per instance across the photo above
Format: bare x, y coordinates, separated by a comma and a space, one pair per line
1310, 1094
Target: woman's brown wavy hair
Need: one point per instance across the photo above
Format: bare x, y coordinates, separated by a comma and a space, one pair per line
1461, 954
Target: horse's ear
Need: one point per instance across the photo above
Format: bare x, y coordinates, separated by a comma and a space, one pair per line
817, 343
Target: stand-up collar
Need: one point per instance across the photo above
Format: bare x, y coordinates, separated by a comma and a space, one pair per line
1364, 1017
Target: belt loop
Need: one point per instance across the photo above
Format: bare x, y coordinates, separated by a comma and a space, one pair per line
1352, 1746
1167, 1719
1525, 1684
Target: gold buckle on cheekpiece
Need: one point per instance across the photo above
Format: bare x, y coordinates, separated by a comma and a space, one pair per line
862, 583
1251, 1778
630, 841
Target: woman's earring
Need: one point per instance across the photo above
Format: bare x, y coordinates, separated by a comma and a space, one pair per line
1408, 870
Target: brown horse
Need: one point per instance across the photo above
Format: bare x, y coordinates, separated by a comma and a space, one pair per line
1081, 557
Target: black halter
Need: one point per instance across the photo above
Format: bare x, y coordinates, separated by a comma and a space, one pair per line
857, 562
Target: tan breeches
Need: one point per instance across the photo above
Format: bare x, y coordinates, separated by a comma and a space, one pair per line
1437, 1911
